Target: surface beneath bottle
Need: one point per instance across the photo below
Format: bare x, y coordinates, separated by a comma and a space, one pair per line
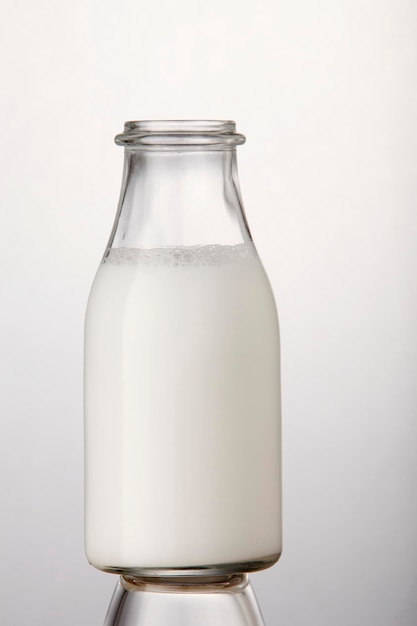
231, 602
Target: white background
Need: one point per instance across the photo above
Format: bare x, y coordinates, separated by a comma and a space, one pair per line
326, 93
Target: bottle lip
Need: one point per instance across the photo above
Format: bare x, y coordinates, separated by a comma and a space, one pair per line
171, 134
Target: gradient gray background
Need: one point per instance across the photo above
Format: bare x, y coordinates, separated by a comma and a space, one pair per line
326, 93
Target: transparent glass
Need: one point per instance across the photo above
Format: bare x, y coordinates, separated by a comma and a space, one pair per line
203, 603
180, 187
182, 379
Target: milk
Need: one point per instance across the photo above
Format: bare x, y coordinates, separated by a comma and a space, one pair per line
182, 410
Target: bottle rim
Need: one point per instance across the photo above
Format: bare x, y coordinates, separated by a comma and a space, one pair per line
171, 134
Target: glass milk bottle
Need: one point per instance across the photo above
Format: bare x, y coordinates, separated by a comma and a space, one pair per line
182, 380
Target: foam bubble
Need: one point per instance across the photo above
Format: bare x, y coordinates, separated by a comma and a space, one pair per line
183, 256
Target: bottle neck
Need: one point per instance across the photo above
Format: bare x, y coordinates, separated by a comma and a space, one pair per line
179, 198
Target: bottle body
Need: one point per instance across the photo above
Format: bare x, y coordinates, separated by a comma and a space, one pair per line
182, 402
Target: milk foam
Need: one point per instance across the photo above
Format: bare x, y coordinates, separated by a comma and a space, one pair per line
187, 256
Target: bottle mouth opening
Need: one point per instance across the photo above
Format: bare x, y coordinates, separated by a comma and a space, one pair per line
171, 134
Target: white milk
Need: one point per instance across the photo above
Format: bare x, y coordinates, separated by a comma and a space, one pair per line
182, 409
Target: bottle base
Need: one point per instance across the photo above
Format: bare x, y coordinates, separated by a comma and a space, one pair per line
211, 570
